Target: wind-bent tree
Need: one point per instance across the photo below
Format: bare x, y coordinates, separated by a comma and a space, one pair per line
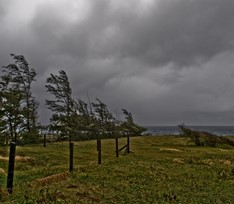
105, 122
63, 119
20, 75
4, 131
83, 120
18, 101
86, 117
129, 126
11, 112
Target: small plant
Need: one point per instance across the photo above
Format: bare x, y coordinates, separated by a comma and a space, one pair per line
169, 197
3, 194
45, 196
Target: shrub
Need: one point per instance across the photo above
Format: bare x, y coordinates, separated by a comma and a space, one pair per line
201, 138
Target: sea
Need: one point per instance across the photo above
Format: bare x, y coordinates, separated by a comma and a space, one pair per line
174, 130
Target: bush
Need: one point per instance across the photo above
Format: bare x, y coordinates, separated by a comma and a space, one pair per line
201, 138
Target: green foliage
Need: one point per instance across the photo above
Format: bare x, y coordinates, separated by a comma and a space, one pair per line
75, 119
11, 110
201, 138
129, 127
104, 121
70, 118
44, 196
63, 119
85, 117
18, 106
158, 170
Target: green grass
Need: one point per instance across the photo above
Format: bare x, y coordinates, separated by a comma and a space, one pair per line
158, 170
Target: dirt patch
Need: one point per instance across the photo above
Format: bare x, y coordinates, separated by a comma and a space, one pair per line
50, 179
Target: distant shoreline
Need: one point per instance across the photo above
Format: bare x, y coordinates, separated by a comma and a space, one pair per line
174, 130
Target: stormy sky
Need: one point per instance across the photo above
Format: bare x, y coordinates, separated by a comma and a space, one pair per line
166, 61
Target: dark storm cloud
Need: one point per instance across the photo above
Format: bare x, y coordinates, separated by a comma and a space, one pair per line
167, 61
183, 32
187, 31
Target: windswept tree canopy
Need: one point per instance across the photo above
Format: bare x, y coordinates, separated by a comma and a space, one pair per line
129, 126
105, 121
19, 107
62, 104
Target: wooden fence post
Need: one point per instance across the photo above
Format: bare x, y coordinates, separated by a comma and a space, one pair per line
11, 165
44, 140
71, 147
128, 145
99, 145
117, 147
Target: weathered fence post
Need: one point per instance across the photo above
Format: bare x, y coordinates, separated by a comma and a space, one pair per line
117, 147
128, 145
11, 165
71, 147
99, 145
44, 140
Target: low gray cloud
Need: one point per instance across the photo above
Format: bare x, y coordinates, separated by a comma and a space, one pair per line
187, 32
2, 8
183, 32
167, 61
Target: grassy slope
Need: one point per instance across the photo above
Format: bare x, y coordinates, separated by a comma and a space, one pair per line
158, 170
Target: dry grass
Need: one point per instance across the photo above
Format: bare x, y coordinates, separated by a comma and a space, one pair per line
207, 162
4, 158
18, 158
223, 150
179, 160
170, 149
226, 162
2, 171
50, 179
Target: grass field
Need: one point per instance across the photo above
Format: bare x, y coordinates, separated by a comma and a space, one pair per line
163, 169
